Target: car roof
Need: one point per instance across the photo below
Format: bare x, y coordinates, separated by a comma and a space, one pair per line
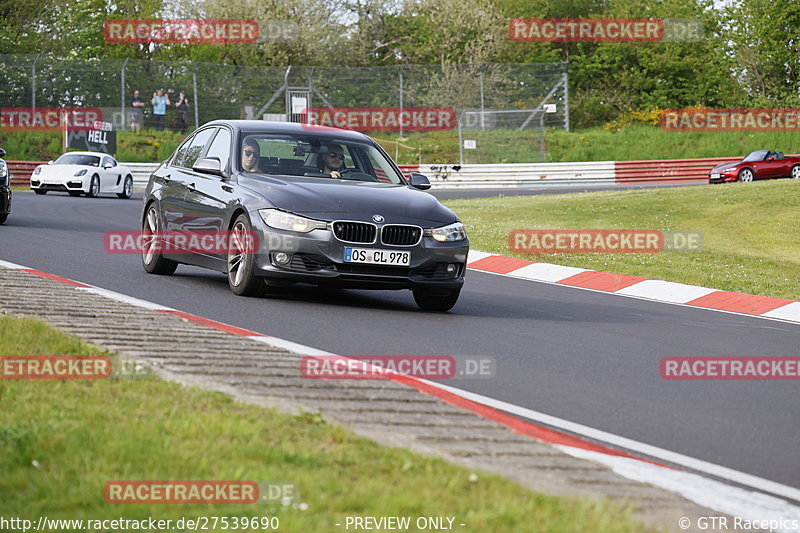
264, 126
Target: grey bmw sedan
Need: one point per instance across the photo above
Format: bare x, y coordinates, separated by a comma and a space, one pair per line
301, 204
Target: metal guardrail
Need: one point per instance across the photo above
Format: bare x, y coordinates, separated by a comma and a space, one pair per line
502, 175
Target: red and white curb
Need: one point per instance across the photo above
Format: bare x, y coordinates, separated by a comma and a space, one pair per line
651, 466
636, 287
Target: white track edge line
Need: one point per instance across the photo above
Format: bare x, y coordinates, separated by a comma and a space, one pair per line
629, 444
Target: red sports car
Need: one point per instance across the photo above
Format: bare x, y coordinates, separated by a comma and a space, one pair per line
758, 165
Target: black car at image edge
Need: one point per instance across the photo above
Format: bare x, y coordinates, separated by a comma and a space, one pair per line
5, 188
362, 225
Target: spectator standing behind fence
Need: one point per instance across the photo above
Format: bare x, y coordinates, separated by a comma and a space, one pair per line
183, 106
160, 102
136, 112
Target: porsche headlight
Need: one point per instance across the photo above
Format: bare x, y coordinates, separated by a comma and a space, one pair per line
37, 171
3, 169
289, 222
80, 172
451, 233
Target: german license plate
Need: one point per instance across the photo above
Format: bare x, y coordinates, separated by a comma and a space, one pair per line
714, 176
377, 257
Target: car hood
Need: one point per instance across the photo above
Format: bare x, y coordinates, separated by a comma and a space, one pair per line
328, 199
62, 170
724, 166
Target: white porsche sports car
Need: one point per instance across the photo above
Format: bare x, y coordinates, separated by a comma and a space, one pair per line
90, 173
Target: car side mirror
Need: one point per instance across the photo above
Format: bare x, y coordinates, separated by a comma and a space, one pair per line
2, 153
108, 165
209, 165
771, 158
419, 181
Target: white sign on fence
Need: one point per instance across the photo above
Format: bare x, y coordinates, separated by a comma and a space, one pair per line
470, 144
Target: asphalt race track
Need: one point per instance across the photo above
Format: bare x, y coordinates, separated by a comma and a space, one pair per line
584, 356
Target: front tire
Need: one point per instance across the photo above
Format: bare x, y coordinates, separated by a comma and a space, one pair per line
795, 172
127, 188
152, 261
442, 301
746, 176
94, 187
3, 218
240, 261
40, 191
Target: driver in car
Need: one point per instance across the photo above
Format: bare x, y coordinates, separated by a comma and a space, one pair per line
332, 160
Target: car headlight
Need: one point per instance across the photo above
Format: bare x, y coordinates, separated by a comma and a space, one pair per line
37, 171
451, 233
289, 222
3, 169
80, 172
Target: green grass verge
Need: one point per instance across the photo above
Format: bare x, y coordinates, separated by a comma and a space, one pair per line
751, 238
633, 142
84, 433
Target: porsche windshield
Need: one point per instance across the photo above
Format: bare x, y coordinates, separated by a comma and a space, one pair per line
78, 159
314, 156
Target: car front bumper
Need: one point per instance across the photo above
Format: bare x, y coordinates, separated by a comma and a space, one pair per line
72, 183
317, 257
721, 178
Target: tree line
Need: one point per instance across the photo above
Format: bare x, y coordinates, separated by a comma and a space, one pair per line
748, 55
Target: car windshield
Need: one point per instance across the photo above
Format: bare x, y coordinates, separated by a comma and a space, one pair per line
314, 156
758, 155
78, 159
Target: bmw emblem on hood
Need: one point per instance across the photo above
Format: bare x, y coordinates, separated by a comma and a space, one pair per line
377, 218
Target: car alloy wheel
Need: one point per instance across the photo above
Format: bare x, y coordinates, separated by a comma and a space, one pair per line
152, 260
796, 172
240, 260
127, 188
746, 175
94, 187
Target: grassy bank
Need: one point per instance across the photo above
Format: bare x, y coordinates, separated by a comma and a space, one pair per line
751, 238
60, 441
629, 143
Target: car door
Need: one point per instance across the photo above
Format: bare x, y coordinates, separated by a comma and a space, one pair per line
172, 188
208, 197
109, 174
760, 167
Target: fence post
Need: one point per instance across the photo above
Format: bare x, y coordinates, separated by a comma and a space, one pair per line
33, 84
122, 92
565, 77
194, 88
483, 125
401, 104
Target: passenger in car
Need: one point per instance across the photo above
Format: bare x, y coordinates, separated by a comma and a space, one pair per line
251, 154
